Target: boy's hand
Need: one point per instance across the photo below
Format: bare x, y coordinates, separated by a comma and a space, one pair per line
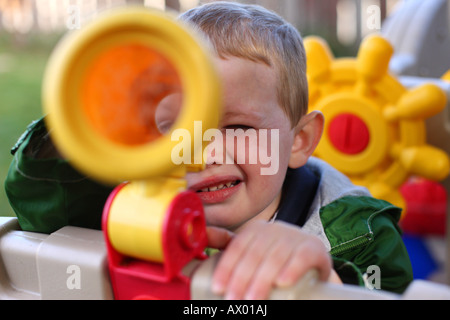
263, 256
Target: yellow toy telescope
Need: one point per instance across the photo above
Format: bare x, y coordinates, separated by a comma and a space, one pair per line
113, 93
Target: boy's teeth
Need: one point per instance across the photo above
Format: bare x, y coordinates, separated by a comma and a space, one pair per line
219, 187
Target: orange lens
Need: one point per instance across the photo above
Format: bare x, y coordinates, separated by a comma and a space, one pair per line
122, 90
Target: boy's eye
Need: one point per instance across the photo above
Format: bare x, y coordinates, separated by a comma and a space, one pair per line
238, 126
164, 126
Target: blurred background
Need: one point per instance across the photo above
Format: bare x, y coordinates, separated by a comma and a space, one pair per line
29, 29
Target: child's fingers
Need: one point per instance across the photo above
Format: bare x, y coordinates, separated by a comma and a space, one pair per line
244, 271
228, 261
255, 272
287, 261
218, 238
267, 255
334, 278
298, 266
263, 279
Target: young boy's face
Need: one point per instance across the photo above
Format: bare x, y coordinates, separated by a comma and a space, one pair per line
235, 193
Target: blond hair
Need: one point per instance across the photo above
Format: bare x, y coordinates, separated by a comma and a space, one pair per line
255, 33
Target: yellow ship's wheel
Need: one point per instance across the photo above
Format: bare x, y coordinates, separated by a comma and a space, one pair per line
446, 76
374, 127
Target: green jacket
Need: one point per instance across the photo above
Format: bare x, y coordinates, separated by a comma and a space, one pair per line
48, 194
359, 231
363, 239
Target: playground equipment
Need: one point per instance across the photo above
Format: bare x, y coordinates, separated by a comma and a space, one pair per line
374, 130
72, 263
153, 237
419, 33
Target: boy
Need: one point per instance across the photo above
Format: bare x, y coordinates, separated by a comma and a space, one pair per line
274, 227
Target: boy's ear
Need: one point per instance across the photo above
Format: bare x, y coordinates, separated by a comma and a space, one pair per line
307, 136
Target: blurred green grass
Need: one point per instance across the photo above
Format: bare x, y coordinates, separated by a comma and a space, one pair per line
22, 67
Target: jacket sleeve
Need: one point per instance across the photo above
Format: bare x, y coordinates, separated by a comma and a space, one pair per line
366, 243
48, 193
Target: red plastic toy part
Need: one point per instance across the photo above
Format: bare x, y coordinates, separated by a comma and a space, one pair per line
426, 203
348, 133
184, 238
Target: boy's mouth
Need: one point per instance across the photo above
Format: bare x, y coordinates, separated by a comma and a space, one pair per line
216, 190
219, 186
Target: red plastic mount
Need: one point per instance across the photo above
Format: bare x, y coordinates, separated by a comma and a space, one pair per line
348, 133
184, 238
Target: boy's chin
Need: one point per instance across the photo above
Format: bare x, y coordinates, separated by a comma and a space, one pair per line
220, 217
